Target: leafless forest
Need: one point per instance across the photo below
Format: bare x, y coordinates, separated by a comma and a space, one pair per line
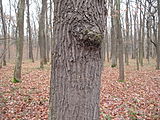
79, 59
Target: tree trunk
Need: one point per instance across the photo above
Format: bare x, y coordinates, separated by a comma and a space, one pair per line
149, 37
29, 32
135, 34
4, 32
41, 34
113, 37
47, 38
9, 30
140, 38
77, 59
143, 28
131, 34
127, 34
20, 39
120, 41
158, 41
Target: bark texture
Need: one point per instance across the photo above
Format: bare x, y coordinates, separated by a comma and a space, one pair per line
77, 59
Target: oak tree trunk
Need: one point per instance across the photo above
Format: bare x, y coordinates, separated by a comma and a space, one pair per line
77, 59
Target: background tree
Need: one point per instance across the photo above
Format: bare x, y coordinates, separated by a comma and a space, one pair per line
29, 32
113, 36
158, 43
120, 41
4, 33
127, 34
41, 34
20, 39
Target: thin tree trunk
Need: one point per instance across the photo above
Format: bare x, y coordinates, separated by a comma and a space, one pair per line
127, 34
51, 25
4, 32
143, 29
131, 34
148, 40
113, 37
140, 38
20, 39
120, 41
41, 34
9, 30
29, 32
158, 41
47, 38
77, 59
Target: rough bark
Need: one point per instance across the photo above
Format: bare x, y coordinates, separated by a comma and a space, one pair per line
20, 39
77, 59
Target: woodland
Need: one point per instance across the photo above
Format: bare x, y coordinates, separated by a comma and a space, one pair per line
79, 59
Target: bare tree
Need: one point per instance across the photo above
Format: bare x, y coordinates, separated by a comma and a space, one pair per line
29, 31
120, 41
127, 34
113, 36
41, 34
4, 32
158, 42
20, 39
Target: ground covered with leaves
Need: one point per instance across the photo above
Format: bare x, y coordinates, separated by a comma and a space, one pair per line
136, 98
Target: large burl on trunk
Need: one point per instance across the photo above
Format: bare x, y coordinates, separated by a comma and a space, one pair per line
77, 59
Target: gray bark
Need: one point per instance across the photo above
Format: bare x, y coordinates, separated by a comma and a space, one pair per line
77, 59
4, 32
29, 32
41, 34
158, 41
20, 39
140, 38
113, 37
120, 41
127, 34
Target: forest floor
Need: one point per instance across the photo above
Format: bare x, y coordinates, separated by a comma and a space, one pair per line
136, 98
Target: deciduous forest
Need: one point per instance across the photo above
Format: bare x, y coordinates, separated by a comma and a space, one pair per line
79, 59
